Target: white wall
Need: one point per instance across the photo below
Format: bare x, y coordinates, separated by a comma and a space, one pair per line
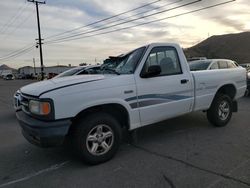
5, 72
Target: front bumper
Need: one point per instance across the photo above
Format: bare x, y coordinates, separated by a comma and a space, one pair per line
41, 133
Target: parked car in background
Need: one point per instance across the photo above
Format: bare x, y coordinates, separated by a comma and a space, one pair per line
210, 64
20, 76
51, 75
195, 58
9, 77
25, 76
93, 69
246, 66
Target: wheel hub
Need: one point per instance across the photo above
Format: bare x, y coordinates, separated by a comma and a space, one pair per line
100, 140
224, 110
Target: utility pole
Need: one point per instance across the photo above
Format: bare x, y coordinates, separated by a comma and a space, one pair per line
39, 34
34, 62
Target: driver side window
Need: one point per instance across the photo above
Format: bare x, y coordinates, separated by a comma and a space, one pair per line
166, 58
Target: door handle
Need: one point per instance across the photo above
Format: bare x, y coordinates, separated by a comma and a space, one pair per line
184, 81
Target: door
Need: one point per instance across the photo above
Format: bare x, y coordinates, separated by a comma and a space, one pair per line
168, 94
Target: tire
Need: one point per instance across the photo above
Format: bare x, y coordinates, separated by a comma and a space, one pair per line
220, 112
94, 144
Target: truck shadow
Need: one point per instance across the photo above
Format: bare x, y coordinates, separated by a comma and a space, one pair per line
174, 126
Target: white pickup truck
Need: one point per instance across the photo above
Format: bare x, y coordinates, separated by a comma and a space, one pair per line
151, 84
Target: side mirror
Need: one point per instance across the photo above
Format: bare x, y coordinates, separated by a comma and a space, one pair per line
153, 70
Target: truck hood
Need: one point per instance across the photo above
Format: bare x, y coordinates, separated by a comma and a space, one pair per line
37, 89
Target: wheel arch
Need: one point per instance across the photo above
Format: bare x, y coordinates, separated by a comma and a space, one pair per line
227, 89
117, 110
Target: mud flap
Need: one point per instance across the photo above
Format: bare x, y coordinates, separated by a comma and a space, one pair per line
235, 106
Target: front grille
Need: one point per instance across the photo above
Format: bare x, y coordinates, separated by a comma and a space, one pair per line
25, 103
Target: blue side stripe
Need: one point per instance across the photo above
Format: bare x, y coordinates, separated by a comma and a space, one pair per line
163, 96
172, 96
131, 99
154, 99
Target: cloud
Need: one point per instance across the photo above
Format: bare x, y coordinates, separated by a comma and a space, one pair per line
237, 25
90, 8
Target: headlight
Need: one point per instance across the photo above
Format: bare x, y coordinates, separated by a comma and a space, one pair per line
248, 75
39, 108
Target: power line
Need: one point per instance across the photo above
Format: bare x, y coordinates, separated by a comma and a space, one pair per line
105, 19
137, 14
137, 8
128, 21
27, 47
156, 8
17, 51
145, 23
9, 20
13, 20
25, 51
18, 26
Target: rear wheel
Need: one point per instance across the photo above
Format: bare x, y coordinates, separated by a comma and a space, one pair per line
97, 137
220, 112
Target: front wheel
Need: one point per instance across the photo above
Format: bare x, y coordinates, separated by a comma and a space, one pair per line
220, 112
97, 137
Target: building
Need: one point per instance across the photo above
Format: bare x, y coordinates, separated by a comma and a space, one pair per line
28, 70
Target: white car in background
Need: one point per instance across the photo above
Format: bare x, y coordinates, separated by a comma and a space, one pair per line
212, 64
92, 69
9, 77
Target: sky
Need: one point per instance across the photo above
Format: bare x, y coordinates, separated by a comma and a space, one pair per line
18, 27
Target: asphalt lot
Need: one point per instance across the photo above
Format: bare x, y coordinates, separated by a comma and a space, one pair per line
181, 152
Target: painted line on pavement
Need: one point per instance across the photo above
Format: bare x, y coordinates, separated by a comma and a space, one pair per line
52, 168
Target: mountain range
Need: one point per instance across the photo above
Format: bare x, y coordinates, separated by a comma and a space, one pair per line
5, 67
230, 46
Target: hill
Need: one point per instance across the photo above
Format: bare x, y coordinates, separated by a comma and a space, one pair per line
230, 46
5, 67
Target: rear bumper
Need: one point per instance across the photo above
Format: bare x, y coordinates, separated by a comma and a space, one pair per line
41, 133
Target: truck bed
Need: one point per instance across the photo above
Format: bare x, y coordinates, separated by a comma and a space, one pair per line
207, 83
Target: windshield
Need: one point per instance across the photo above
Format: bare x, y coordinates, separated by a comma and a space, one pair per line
130, 61
69, 72
124, 64
199, 65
